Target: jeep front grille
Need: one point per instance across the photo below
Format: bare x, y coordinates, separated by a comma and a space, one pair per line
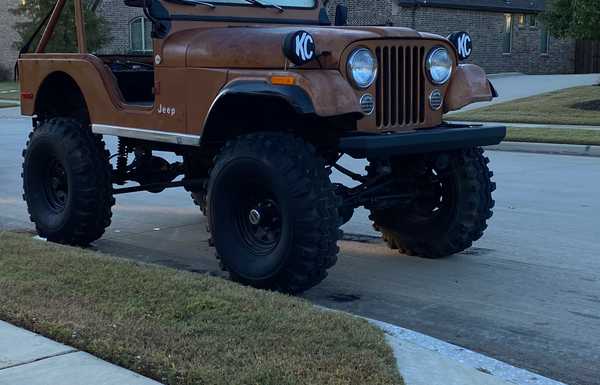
400, 87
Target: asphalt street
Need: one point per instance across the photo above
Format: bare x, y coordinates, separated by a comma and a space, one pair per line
527, 294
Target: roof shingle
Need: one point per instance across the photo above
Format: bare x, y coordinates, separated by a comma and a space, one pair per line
489, 5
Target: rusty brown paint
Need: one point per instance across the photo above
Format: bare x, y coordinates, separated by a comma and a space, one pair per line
469, 85
199, 58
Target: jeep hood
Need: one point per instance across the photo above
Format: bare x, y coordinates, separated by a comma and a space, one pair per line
261, 46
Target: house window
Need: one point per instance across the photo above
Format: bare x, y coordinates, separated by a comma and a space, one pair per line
139, 35
544, 41
508, 32
532, 20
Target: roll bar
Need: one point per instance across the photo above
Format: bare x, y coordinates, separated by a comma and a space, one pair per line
79, 24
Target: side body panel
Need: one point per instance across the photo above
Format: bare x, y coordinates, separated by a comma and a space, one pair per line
183, 96
202, 86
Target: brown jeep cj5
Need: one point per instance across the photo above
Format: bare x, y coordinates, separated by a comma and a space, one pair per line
261, 99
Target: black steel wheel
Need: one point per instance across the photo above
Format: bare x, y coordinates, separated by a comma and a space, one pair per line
56, 184
67, 182
273, 213
453, 201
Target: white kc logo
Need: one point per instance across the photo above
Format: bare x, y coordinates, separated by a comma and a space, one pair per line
463, 45
302, 46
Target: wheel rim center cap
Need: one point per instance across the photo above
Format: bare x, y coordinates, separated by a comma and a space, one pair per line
254, 217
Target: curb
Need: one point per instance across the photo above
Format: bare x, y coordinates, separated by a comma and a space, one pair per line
547, 148
424, 360
504, 75
361, 238
530, 125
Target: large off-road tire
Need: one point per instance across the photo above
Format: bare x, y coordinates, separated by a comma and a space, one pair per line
67, 182
455, 201
273, 213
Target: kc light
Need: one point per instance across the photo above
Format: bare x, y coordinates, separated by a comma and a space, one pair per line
439, 65
362, 68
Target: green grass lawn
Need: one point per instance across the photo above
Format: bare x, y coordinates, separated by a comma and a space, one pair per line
578, 106
9, 91
183, 328
553, 135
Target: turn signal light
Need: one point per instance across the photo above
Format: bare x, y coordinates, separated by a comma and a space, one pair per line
283, 80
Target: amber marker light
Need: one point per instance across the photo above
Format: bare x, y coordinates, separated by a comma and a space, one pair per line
283, 80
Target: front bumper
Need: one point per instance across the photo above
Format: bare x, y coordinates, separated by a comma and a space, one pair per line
441, 138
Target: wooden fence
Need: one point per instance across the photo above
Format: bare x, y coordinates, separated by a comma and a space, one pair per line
587, 57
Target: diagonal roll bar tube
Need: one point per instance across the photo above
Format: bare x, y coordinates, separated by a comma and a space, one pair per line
49, 30
81, 44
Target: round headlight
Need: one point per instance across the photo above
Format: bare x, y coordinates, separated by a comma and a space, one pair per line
362, 68
439, 65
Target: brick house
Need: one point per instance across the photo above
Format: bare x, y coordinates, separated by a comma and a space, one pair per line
8, 54
508, 36
129, 29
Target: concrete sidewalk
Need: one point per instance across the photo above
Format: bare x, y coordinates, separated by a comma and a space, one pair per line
27, 358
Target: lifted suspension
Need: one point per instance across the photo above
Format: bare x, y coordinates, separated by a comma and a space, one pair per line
154, 174
379, 191
187, 183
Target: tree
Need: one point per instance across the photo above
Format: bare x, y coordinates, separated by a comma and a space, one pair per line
33, 12
578, 19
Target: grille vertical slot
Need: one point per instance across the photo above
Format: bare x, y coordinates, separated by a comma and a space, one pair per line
378, 89
408, 88
394, 88
386, 86
422, 85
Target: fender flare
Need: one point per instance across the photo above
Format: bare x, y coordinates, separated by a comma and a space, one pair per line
294, 96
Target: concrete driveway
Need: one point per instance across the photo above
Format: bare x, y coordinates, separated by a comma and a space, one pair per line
527, 294
517, 86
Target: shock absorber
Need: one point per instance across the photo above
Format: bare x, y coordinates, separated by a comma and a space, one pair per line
122, 155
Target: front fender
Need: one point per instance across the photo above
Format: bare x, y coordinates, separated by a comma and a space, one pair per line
320, 93
331, 94
295, 96
469, 85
